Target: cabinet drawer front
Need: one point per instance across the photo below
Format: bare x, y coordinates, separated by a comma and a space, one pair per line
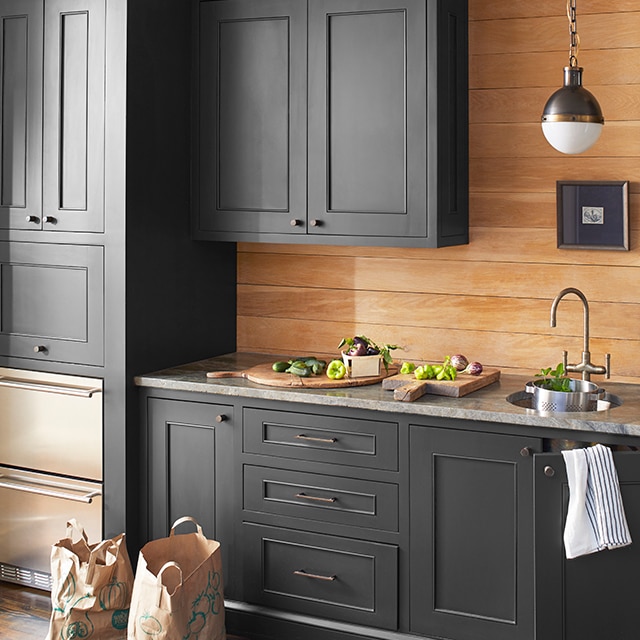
359, 443
339, 578
349, 501
51, 302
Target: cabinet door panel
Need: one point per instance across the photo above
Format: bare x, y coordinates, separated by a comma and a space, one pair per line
73, 170
21, 110
471, 521
592, 596
367, 117
252, 116
51, 299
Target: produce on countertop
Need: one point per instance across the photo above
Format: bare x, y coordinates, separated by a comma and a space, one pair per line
303, 367
336, 370
363, 346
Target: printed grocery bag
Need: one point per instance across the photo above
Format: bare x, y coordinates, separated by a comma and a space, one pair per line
177, 591
92, 586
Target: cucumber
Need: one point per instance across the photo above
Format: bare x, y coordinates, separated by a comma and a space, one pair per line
280, 366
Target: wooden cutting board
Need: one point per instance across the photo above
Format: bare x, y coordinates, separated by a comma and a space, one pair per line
264, 374
406, 388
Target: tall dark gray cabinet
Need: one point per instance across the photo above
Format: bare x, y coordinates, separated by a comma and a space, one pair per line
332, 121
99, 275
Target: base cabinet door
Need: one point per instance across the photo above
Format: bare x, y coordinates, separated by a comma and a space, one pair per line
189, 447
471, 534
591, 596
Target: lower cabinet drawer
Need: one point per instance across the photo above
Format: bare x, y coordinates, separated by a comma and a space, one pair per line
360, 503
338, 578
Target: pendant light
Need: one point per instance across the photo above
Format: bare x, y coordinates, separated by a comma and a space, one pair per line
572, 119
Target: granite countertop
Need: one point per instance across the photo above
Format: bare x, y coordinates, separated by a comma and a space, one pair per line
488, 404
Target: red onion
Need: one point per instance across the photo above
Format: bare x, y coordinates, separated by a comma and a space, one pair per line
459, 362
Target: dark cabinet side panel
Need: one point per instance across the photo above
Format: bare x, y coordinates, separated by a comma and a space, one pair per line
21, 38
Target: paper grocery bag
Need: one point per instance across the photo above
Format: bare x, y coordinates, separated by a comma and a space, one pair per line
178, 591
92, 586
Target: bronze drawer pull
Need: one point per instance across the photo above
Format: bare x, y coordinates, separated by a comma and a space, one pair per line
315, 576
302, 436
304, 496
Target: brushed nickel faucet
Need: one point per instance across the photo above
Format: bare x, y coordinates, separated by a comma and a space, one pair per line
585, 367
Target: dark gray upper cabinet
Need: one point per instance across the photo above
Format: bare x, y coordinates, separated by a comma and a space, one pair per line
52, 106
333, 121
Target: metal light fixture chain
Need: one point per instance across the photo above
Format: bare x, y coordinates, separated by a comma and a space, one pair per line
574, 38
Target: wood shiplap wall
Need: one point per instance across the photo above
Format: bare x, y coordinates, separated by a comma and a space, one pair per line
490, 299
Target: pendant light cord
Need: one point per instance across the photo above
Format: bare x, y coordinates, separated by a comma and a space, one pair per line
574, 38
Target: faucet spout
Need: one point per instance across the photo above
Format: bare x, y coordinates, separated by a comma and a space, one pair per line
585, 366
585, 304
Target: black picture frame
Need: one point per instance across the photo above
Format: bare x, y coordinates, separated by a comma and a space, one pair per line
593, 214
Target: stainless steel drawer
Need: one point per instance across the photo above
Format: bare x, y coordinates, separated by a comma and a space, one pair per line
327, 576
349, 441
360, 503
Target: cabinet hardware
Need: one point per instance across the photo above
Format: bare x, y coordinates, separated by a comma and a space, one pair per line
33, 219
315, 223
549, 471
304, 496
50, 219
302, 436
295, 223
43, 490
27, 385
40, 348
221, 417
525, 452
315, 576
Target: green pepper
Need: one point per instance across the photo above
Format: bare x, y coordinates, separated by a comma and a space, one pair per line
407, 367
336, 370
421, 373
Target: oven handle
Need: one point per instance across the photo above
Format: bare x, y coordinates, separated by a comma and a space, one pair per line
82, 392
87, 498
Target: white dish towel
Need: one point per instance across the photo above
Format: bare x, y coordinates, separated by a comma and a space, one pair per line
595, 517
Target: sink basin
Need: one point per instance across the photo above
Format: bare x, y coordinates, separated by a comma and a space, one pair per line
524, 399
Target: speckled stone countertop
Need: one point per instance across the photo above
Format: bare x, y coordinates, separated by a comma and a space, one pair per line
488, 404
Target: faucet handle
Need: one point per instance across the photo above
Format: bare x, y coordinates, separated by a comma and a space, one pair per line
564, 360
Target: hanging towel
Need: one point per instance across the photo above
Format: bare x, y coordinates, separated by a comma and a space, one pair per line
595, 518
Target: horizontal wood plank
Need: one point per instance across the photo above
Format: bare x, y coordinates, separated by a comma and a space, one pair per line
502, 9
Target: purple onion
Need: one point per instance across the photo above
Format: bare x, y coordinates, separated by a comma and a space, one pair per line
473, 368
459, 362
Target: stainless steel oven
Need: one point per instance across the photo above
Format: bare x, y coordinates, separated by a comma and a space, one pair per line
50, 467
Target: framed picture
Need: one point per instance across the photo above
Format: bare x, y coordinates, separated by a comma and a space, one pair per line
593, 215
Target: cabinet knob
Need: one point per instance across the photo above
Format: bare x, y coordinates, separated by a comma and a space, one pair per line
221, 417
315, 223
50, 219
295, 222
39, 348
525, 452
549, 471
33, 219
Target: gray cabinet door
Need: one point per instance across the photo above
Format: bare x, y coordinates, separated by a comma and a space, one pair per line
52, 302
592, 596
189, 469
21, 114
73, 143
471, 534
252, 122
367, 117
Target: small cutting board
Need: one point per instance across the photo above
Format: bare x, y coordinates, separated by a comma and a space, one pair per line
406, 388
264, 374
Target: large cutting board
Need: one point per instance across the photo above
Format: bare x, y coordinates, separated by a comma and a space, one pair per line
264, 374
406, 388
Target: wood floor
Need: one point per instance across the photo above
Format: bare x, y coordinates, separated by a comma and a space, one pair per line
24, 613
